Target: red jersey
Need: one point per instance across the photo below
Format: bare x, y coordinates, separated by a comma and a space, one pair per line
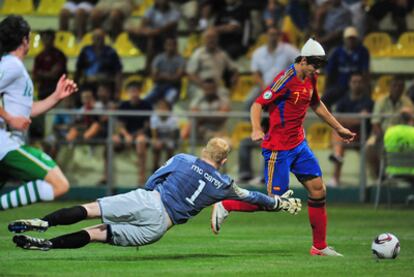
287, 100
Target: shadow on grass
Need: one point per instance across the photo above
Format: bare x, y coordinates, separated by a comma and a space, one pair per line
189, 256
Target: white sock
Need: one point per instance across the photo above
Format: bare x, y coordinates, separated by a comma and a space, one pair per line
31, 192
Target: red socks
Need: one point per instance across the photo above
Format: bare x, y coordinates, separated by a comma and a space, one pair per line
235, 205
318, 221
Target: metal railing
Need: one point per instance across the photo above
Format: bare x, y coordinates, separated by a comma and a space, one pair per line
192, 117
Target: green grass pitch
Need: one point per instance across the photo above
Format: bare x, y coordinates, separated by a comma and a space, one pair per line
251, 244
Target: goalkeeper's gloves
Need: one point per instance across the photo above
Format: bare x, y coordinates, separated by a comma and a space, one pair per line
287, 203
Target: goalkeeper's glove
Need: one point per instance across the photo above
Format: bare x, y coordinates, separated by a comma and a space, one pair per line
287, 203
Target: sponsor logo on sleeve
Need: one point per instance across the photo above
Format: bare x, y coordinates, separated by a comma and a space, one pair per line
267, 95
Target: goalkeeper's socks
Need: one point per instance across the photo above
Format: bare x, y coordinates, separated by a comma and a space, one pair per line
73, 240
235, 205
318, 221
66, 216
26, 194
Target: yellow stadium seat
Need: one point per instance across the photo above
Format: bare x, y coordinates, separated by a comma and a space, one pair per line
319, 136
379, 44
193, 42
241, 131
320, 84
244, 85
296, 36
36, 45
124, 46
405, 45
87, 40
143, 7
382, 87
129, 79
184, 88
66, 42
50, 7
17, 7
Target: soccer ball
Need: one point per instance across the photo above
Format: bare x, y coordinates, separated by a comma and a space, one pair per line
386, 246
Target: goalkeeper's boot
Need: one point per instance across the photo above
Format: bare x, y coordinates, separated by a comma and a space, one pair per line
31, 243
218, 215
24, 225
327, 251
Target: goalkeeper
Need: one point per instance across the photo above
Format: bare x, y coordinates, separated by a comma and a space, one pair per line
173, 194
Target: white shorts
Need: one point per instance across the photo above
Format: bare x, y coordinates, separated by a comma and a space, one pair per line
73, 7
135, 218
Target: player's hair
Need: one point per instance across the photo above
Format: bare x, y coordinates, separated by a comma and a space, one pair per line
12, 31
216, 150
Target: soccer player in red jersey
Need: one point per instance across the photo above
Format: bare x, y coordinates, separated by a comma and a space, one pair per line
284, 147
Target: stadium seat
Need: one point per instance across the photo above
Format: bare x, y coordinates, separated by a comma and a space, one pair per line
17, 7
50, 7
379, 44
35, 44
382, 87
241, 131
87, 40
146, 85
293, 33
193, 42
405, 45
184, 88
66, 42
244, 85
124, 46
143, 7
319, 136
320, 85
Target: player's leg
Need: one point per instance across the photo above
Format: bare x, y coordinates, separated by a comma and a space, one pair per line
98, 233
65, 216
307, 170
45, 181
276, 173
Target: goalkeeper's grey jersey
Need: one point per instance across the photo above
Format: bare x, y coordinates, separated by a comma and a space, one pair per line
16, 92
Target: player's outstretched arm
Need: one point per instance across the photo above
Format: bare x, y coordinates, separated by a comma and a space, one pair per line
64, 88
276, 203
321, 110
15, 122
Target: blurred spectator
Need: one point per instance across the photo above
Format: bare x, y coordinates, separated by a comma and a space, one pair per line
393, 13
80, 11
61, 126
165, 133
98, 63
111, 15
357, 101
210, 61
159, 21
85, 127
346, 59
267, 62
232, 26
207, 11
134, 130
273, 13
331, 18
211, 102
410, 93
360, 16
48, 66
299, 11
167, 70
391, 104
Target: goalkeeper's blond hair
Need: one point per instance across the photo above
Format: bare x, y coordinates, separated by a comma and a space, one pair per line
216, 150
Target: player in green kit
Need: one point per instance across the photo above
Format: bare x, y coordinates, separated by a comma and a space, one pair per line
43, 180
